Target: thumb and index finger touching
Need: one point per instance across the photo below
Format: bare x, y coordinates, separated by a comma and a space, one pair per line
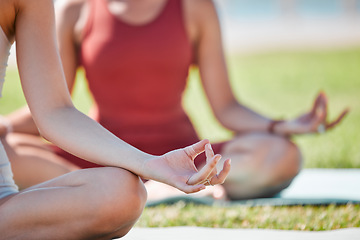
193, 150
211, 161
209, 171
320, 108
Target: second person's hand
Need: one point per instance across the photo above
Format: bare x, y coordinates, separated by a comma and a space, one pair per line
314, 121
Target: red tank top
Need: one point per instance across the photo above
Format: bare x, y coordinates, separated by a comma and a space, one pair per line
137, 75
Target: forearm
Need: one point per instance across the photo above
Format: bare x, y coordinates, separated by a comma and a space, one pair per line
240, 119
78, 134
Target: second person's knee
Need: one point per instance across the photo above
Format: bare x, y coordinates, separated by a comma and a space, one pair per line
291, 160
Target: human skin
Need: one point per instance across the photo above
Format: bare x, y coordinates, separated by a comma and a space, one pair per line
99, 203
263, 163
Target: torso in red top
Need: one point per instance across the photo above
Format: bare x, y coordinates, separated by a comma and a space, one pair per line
137, 75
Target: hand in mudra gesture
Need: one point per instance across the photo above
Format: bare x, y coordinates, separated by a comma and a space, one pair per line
316, 120
177, 168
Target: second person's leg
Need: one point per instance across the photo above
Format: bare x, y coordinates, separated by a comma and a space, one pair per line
33, 160
261, 165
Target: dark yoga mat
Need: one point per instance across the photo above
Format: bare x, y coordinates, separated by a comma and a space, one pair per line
310, 187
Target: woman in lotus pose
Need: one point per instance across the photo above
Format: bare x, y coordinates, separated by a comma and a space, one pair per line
136, 55
98, 203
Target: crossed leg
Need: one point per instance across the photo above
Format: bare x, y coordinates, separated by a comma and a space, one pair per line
262, 165
98, 203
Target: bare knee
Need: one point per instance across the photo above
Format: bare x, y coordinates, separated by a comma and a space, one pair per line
12, 142
123, 197
290, 160
15, 140
265, 154
262, 163
281, 160
20, 146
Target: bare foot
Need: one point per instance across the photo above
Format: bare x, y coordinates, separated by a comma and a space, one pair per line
158, 191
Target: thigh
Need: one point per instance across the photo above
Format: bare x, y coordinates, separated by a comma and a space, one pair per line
73, 205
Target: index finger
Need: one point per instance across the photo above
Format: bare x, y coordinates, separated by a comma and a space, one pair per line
205, 171
336, 121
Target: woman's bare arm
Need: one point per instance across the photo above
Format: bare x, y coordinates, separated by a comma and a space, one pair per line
213, 71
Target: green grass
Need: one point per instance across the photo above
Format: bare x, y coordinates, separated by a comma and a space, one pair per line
286, 218
277, 85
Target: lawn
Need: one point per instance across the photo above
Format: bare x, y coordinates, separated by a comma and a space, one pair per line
311, 218
278, 85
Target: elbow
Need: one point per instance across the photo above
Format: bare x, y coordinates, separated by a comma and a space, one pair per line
43, 134
50, 122
43, 123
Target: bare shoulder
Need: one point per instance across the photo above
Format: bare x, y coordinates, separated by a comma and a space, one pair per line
13, 10
71, 18
6, 5
33, 5
201, 9
201, 3
8, 12
201, 13
69, 10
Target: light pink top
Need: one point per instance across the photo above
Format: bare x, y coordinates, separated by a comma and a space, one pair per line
4, 55
7, 184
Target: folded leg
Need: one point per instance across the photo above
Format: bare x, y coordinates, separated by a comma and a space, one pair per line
262, 165
99, 203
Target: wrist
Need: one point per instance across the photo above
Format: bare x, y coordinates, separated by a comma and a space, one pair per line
273, 127
6, 125
145, 167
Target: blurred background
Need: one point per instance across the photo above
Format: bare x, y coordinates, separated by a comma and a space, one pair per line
258, 25
262, 25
